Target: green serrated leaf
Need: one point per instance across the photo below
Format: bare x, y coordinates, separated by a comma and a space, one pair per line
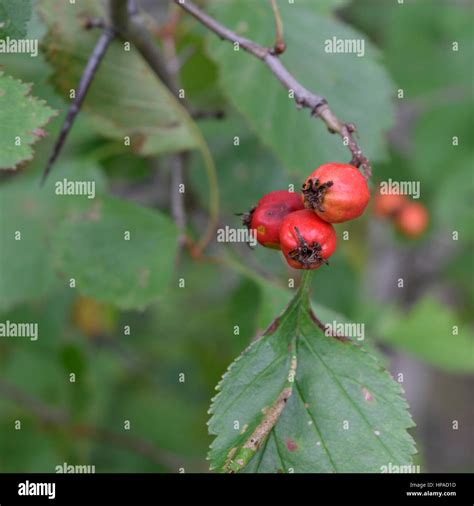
22, 117
125, 98
357, 88
432, 333
340, 410
14, 15
429, 35
94, 250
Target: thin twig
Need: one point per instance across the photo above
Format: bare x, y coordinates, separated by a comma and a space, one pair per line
303, 97
178, 160
53, 416
45, 413
88, 75
131, 27
178, 163
280, 45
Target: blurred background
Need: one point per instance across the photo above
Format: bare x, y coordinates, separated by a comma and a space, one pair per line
113, 350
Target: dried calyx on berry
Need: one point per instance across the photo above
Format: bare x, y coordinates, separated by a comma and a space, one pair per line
246, 218
306, 254
313, 193
306, 240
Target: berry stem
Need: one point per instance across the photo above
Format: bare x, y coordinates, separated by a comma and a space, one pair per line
279, 46
302, 296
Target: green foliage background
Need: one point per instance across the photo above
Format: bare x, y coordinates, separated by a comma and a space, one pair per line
136, 376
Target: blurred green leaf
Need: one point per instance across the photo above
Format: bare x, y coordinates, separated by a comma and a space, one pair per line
28, 450
434, 132
126, 98
247, 166
198, 73
299, 401
22, 117
444, 167
167, 419
14, 16
26, 270
93, 248
430, 332
29, 217
452, 203
358, 89
418, 40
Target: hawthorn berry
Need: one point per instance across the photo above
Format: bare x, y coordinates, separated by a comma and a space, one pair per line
386, 206
412, 219
291, 199
266, 217
306, 241
336, 192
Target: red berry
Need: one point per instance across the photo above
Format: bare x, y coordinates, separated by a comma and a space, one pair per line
388, 205
412, 219
306, 240
336, 192
267, 216
282, 196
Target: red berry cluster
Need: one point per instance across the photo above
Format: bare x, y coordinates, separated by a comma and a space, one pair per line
301, 224
410, 218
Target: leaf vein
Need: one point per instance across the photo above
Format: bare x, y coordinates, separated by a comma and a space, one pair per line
338, 383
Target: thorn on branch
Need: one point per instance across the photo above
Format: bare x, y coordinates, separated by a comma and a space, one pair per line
86, 79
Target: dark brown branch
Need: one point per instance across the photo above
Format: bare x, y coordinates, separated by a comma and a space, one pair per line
89, 72
303, 97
